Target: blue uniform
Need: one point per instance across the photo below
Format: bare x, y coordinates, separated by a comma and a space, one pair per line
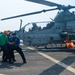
15, 46
16, 40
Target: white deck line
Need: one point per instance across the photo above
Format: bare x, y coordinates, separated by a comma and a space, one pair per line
69, 68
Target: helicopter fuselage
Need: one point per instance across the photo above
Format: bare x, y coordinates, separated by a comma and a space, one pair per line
54, 32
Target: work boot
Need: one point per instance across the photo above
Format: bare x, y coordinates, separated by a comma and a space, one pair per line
24, 62
10, 61
4, 61
14, 60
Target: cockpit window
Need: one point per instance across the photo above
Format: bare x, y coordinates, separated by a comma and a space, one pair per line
38, 26
49, 25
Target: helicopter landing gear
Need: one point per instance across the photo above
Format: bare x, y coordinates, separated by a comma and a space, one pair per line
46, 47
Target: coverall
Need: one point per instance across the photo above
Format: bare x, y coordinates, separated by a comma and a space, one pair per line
14, 44
3, 45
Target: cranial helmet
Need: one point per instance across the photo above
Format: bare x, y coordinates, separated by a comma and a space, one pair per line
13, 33
6, 32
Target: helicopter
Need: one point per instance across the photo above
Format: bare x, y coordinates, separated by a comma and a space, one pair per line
56, 31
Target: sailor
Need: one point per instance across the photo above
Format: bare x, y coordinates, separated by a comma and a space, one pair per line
15, 42
3, 44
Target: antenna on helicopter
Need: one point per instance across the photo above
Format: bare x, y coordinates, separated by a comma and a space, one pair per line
51, 19
21, 23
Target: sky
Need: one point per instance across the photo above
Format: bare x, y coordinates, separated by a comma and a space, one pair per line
10, 8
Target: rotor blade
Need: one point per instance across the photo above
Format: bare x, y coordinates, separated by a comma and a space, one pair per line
70, 7
48, 3
32, 13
